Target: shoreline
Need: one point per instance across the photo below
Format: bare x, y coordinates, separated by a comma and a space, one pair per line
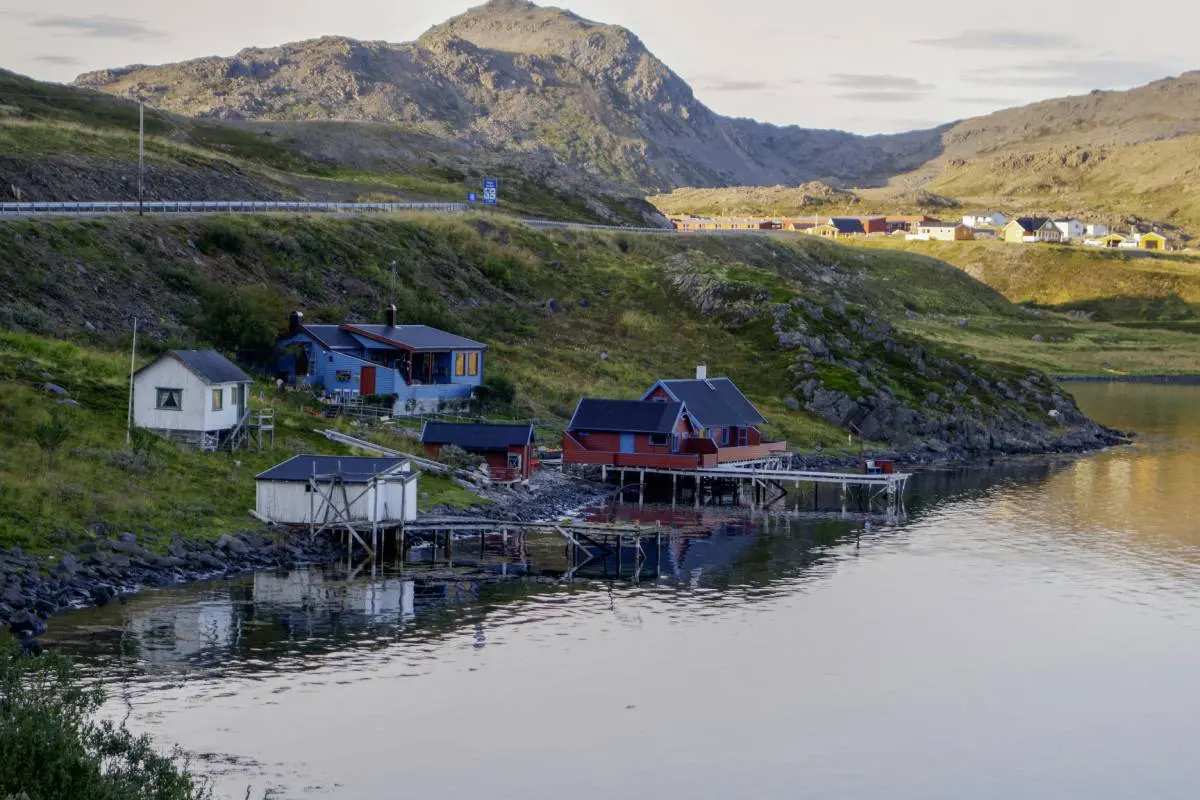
114, 566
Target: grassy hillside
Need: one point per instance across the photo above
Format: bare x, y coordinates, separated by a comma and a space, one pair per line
66, 143
54, 500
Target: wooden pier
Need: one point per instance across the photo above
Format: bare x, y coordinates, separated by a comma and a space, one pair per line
768, 486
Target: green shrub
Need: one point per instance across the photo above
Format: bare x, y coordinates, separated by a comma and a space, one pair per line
494, 395
244, 319
52, 746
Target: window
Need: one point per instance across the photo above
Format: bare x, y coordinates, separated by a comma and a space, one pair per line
169, 399
724, 436
218, 399
658, 439
460, 364
473, 364
514, 460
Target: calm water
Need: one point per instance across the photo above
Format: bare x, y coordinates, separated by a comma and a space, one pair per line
1032, 630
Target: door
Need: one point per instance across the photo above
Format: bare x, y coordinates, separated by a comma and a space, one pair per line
626, 442
366, 384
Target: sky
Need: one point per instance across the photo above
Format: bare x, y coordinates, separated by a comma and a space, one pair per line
875, 66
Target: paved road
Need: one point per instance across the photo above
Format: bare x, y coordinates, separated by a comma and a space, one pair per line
50, 209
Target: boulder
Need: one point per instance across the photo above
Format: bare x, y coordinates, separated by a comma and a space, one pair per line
55, 389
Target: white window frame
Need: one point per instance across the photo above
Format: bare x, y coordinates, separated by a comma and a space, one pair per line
158, 399
217, 399
515, 460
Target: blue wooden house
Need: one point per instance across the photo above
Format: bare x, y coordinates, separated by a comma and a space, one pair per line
422, 366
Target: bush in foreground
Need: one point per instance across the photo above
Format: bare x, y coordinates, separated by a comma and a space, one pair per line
53, 746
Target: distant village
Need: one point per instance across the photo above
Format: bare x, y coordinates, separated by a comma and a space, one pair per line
972, 226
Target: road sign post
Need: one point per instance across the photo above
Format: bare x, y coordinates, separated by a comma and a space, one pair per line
472, 198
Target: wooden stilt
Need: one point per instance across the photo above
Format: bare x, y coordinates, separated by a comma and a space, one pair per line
642, 489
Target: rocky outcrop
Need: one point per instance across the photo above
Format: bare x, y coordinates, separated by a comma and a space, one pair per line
850, 367
526, 80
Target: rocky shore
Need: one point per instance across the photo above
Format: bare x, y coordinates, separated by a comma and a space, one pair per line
111, 567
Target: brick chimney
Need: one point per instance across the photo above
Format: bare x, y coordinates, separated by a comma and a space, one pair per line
389, 316
702, 371
295, 321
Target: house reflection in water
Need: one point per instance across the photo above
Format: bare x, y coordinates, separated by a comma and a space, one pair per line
199, 630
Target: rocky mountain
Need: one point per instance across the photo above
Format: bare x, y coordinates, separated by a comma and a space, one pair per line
527, 79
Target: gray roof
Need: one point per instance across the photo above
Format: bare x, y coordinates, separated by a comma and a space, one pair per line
1032, 224
476, 438
332, 336
625, 416
208, 365
848, 224
714, 403
353, 469
419, 337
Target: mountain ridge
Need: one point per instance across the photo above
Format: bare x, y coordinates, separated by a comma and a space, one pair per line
528, 78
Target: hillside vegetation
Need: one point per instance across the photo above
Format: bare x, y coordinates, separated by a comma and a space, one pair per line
67, 143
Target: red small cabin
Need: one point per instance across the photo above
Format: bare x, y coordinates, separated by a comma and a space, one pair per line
508, 449
678, 424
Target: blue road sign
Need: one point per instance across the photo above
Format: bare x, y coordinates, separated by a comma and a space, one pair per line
472, 197
491, 191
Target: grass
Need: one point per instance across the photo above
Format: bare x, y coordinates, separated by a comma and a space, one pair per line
565, 314
94, 478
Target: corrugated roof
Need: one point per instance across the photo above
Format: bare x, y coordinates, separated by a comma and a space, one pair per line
208, 365
627, 416
714, 403
353, 469
418, 337
477, 437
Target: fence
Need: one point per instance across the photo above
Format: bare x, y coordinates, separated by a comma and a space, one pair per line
219, 207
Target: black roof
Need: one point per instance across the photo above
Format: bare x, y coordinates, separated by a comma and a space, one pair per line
353, 469
714, 403
628, 416
847, 224
1032, 224
209, 365
477, 437
420, 337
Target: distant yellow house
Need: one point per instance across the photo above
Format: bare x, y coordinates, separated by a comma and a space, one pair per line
1152, 241
1112, 240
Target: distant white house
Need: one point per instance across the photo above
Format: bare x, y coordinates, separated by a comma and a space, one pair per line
196, 396
942, 232
1095, 229
1071, 228
984, 219
320, 490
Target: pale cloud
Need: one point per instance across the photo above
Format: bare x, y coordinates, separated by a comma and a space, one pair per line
882, 96
58, 61
709, 83
97, 25
1074, 74
878, 82
1001, 39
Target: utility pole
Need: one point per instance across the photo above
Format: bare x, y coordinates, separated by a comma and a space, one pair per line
132, 365
141, 157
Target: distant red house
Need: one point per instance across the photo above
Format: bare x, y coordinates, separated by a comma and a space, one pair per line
678, 424
508, 449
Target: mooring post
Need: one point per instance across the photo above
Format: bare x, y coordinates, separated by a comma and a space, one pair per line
674, 487
696, 493
621, 490
641, 488
604, 473
844, 497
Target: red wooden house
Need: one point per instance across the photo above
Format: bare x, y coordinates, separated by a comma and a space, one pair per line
678, 424
508, 449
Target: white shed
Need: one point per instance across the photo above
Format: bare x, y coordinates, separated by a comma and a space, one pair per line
198, 396
336, 490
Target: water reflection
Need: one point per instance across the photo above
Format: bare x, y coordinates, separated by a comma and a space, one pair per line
1018, 597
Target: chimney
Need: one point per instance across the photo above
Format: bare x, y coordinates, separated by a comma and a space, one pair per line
702, 371
295, 321
389, 316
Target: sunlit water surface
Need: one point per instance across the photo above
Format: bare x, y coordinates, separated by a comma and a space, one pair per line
1032, 630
